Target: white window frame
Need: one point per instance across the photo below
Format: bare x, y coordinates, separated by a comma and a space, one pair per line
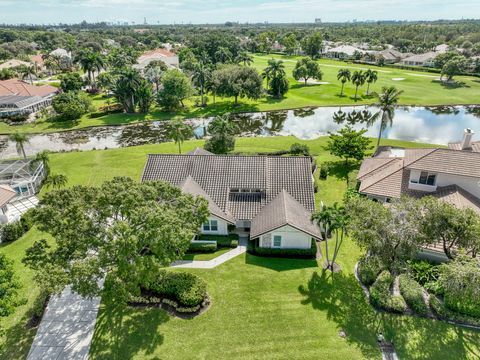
417, 180
273, 241
209, 225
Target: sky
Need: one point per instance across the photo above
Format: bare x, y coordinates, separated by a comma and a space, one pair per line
220, 11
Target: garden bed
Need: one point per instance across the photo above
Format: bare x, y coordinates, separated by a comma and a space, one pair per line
229, 241
310, 253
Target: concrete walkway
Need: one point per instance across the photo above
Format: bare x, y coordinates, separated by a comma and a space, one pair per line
66, 329
210, 264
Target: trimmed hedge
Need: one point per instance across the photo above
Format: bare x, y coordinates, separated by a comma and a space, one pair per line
202, 247
230, 241
412, 292
310, 253
439, 309
381, 296
368, 269
186, 288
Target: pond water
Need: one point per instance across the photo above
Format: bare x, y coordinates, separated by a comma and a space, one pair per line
438, 125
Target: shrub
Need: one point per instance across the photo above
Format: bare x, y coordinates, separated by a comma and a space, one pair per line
71, 105
439, 309
368, 269
202, 247
381, 297
422, 271
323, 173
230, 241
12, 231
310, 253
299, 149
186, 288
412, 292
27, 219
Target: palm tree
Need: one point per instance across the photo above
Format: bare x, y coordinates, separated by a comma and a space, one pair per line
126, 87
179, 131
245, 58
274, 69
222, 125
55, 181
91, 62
339, 226
44, 157
387, 101
344, 76
371, 77
324, 219
27, 72
20, 140
358, 79
200, 77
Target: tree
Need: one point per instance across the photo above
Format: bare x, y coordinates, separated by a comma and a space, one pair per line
386, 101
454, 228
154, 72
125, 89
144, 96
244, 58
27, 72
358, 79
277, 82
106, 81
55, 181
44, 157
391, 233
200, 77
123, 231
371, 77
71, 81
179, 131
238, 81
176, 87
9, 286
453, 67
20, 139
223, 55
348, 144
71, 105
290, 42
312, 45
307, 68
91, 62
223, 131
343, 75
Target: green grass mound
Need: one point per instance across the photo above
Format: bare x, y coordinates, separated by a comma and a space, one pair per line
381, 296
412, 292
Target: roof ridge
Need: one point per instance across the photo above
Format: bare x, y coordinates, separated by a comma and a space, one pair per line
381, 166
383, 178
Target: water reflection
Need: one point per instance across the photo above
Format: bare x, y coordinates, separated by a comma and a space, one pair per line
438, 125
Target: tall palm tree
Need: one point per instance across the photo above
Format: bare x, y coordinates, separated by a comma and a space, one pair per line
339, 227
179, 131
344, 76
371, 76
245, 58
358, 79
274, 69
20, 140
386, 102
222, 125
125, 89
27, 72
91, 62
44, 157
324, 219
200, 77
55, 181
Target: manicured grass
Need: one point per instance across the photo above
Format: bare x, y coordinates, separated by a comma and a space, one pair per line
205, 256
420, 88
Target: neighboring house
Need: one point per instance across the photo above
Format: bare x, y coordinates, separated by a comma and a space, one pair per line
343, 52
390, 56
19, 98
269, 197
425, 59
442, 48
61, 53
20, 180
168, 57
14, 63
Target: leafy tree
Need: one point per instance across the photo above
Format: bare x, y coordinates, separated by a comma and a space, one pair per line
349, 144
176, 87
358, 79
386, 102
223, 131
55, 181
312, 45
179, 131
299, 149
123, 231
371, 77
91, 62
200, 77
391, 233
454, 228
277, 82
343, 75
125, 89
106, 80
9, 286
290, 42
71, 81
20, 139
154, 72
223, 55
307, 68
453, 67
441, 59
244, 58
144, 95
71, 105
238, 81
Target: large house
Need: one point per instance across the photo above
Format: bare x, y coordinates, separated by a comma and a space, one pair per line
166, 56
427, 59
269, 197
451, 174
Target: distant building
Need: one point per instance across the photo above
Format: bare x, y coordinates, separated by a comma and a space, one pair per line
390, 56
167, 57
425, 59
318, 21
10, 64
343, 52
59, 52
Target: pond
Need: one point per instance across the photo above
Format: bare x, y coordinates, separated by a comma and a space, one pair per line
438, 125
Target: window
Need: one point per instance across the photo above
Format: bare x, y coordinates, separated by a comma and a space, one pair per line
427, 178
206, 226
210, 225
277, 241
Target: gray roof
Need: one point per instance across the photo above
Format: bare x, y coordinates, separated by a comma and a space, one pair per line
18, 101
239, 185
281, 211
199, 151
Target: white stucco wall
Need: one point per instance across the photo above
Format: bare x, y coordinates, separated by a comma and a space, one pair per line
471, 184
291, 238
222, 227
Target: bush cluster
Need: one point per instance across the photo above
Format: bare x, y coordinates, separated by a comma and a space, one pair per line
368, 269
439, 309
186, 288
202, 247
230, 241
381, 296
310, 253
323, 173
426, 274
412, 292
299, 149
15, 230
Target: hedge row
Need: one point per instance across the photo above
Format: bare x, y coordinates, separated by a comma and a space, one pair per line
202, 247
13, 231
381, 296
439, 309
412, 292
368, 269
310, 253
230, 240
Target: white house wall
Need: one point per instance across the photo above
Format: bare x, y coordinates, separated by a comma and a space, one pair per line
470, 184
291, 238
222, 227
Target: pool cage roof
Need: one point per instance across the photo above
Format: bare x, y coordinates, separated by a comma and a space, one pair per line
13, 172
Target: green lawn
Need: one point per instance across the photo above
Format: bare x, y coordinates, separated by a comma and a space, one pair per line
259, 308
420, 88
205, 256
